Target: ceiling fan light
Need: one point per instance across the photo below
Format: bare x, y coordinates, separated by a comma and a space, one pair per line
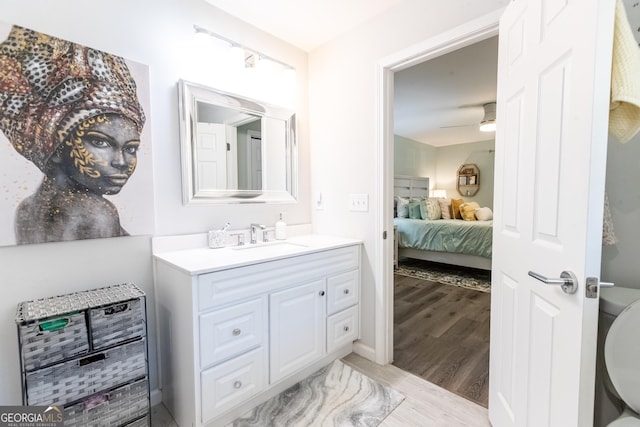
489, 126
488, 123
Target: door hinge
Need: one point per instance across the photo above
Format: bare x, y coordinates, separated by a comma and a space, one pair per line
228, 146
384, 235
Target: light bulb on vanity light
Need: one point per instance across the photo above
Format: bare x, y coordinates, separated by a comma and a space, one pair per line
202, 41
236, 57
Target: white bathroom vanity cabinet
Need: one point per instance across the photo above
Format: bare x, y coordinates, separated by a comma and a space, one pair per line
237, 327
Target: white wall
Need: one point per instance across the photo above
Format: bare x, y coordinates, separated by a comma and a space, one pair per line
451, 157
441, 165
414, 158
157, 33
620, 261
343, 119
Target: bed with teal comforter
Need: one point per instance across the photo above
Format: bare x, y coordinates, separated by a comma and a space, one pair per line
446, 235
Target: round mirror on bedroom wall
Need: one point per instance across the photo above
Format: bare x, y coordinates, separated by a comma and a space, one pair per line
468, 180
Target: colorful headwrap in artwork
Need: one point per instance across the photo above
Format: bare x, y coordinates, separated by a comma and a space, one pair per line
48, 86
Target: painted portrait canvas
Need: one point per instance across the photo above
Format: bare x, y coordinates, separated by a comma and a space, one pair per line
75, 145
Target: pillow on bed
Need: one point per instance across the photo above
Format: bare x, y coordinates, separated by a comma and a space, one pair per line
455, 208
484, 214
414, 209
430, 208
402, 207
445, 208
468, 211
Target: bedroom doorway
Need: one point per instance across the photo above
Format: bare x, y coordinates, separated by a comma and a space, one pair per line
429, 323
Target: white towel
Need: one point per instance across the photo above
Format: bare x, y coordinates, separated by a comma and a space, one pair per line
624, 115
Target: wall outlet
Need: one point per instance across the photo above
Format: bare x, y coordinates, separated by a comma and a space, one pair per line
359, 202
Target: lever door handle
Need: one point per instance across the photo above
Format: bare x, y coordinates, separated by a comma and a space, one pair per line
592, 286
567, 281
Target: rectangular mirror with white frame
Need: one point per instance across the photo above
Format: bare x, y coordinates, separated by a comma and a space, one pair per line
235, 149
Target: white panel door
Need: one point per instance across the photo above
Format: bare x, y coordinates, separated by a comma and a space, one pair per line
211, 157
231, 135
254, 170
553, 87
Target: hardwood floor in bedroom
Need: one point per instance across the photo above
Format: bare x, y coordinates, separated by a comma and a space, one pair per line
441, 334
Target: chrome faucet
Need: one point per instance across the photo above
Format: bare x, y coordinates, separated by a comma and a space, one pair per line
253, 233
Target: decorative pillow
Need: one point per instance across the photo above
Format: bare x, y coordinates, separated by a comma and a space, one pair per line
484, 214
445, 208
468, 211
414, 209
430, 208
402, 207
455, 208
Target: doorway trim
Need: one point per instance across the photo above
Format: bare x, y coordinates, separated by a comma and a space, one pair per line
464, 35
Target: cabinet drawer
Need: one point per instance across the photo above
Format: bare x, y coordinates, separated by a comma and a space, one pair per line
230, 383
343, 291
78, 378
233, 330
111, 408
343, 328
50, 340
115, 323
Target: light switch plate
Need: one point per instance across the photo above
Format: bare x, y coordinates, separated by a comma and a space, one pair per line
359, 202
319, 202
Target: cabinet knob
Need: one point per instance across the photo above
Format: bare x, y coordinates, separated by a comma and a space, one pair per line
346, 291
321, 293
237, 384
236, 332
346, 329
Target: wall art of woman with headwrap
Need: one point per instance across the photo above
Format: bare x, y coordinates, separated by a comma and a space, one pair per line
74, 113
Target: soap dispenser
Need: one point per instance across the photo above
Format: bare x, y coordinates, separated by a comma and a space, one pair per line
281, 228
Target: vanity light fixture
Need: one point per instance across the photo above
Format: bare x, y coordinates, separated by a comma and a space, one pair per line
488, 123
224, 63
250, 57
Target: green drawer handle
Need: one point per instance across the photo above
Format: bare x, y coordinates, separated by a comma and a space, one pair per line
53, 325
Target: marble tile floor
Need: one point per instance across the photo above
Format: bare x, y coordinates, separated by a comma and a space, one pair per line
425, 404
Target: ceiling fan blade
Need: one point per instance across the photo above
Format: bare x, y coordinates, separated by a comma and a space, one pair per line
457, 126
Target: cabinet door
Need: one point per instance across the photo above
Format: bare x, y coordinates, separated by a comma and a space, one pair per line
298, 328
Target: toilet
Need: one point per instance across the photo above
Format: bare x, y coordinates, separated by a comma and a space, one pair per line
621, 353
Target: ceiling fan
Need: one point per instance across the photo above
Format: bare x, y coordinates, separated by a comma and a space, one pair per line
488, 122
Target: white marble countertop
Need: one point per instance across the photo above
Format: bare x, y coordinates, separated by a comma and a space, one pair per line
204, 260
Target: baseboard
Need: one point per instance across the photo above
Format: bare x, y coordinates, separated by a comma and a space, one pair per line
364, 350
156, 397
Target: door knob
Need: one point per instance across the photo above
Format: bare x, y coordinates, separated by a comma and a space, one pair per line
567, 281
